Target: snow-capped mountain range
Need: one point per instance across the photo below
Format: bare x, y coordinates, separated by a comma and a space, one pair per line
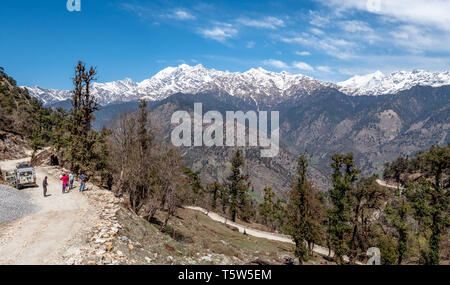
258, 85
379, 84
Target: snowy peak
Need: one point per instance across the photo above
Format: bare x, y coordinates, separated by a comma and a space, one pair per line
171, 80
48, 96
379, 84
368, 81
256, 84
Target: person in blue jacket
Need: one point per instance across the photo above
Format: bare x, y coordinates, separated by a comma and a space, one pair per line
83, 179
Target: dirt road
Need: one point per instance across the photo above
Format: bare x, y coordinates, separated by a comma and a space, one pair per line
257, 233
43, 237
385, 184
272, 236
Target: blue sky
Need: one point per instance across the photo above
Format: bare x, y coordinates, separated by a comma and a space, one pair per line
40, 41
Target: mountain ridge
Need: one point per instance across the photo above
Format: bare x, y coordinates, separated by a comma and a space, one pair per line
262, 84
378, 83
256, 85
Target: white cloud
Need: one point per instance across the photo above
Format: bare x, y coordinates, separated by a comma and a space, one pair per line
399, 27
149, 12
220, 34
275, 63
317, 31
141, 11
355, 26
296, 65
338, 48
183, 15
324, 68
267, 23
303, 53
408, 33
318, 20
419, 40
424, 12
302, 66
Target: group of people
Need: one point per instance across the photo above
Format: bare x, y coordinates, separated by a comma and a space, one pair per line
67, 182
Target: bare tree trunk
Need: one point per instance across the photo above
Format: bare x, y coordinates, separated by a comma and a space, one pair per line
165, 221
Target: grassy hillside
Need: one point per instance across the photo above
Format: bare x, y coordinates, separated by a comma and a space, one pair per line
22, 117
18, 110
193, 238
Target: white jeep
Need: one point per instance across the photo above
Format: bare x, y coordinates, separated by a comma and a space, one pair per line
23, 176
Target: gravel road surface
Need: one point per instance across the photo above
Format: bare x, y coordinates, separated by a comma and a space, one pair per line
42, 236
14, 204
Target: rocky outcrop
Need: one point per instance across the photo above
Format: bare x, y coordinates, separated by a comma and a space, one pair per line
101, 240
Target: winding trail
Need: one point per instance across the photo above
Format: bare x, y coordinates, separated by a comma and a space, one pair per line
257, 233
385, 184
273, 236
42, 237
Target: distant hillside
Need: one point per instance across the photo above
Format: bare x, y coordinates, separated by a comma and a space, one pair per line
214, 162
376, 128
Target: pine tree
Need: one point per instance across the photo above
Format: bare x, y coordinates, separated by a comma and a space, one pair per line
279, 209
272, 210
84, 104
102, 161
145, 138
339, 216
366, 198
396, 168
60, 120
398, 212
215, 189
196, 185
224, 197
430, 199
42, 127
303, 213
238, 187
266, 208
143, 154
388, 248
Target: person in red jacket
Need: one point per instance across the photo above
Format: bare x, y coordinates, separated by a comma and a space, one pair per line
65, 180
